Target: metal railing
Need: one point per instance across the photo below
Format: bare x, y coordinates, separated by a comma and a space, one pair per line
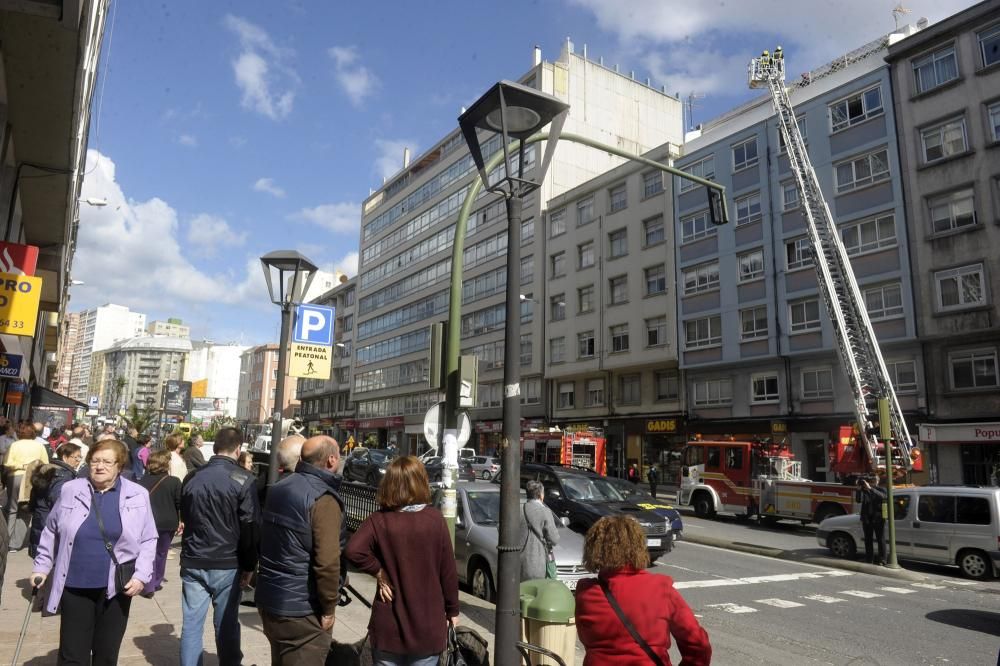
359, 502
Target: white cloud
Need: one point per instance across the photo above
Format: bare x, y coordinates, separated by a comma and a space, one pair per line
348, 264
390, 155
356, 79
189, 140
262, 71
208, 233
336, 217
267, 186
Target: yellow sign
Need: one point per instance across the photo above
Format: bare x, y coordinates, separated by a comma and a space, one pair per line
779, 427
19, 299
662, 425
309, 361
199, 388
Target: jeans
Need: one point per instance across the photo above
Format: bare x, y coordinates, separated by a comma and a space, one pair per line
380, 658
221, 587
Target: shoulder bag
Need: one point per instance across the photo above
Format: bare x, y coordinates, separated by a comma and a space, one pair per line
655, 658
550, 558
123, 570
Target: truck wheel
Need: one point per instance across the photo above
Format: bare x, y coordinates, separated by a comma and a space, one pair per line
703, 505
481, 582
975, 564
827, 511
841, 544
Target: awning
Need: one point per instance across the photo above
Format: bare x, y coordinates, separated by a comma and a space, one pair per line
46, 398
960, 432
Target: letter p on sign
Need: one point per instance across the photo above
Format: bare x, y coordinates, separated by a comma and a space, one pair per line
314, 325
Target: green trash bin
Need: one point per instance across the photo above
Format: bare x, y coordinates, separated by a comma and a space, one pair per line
548, 618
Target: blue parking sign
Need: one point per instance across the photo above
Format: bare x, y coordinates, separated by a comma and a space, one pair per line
313, 325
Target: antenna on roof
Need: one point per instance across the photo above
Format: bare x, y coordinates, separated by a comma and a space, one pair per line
898, 12
689, 106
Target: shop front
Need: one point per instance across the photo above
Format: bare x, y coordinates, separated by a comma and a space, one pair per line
488, 435
962, 453
379, 433
663, 441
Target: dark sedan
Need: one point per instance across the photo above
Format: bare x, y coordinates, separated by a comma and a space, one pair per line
435, 469
644, 500
367, 465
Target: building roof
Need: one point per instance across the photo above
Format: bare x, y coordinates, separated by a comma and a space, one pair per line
153, 343
942, 29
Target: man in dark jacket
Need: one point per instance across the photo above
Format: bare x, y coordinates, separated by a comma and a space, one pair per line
193, 457
298, 585
653, 476
220, 513
872, 500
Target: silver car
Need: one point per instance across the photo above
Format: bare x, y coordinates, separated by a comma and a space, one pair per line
476, 537
486, 467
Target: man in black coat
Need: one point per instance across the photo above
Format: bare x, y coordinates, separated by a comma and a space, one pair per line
653, 476
872, 500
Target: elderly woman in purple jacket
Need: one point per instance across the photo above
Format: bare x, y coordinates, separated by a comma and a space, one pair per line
90, 513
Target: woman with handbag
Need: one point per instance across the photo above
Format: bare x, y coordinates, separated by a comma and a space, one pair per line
537, 560
165, 498
98, 547
617, 620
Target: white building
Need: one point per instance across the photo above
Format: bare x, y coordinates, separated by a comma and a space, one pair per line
172, 328
219, 367
97, 330
134, 371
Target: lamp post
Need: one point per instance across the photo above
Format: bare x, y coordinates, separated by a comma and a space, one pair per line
288, 276
516, 112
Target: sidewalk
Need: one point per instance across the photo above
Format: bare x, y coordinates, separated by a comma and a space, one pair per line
153, 634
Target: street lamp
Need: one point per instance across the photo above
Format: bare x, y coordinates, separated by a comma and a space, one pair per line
288, 275
516, 112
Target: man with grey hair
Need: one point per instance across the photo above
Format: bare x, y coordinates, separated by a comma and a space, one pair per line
289, 453
540, 536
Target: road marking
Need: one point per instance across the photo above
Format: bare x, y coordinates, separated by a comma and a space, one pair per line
754, 580
733, 608
928, 586
779, 603
898, 590
822, 598
861, 593
962, 582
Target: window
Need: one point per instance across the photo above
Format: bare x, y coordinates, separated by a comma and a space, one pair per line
567, 395
936, 508
748, 209
557, 306
789, 196
855, 109
585, 344
585, 211
972, 511
989, 45
973, 369
654, 231
903, 375
527, 230
798, 253
944, 140
652, 183
618, 243
595, 393
585, 255
558, 261
804, 316
585, 299
751, 265
994, 118
745, 154
713, 392
557, 223
527, 269
703, 332
817, 383
618, 289
869, 235
960, 287
734, 457
763, 388
527, 309
884, 301
862, 171
619, 338
701, 278
629, 390
696, 226
704, 168
557, 350
935, 69
801, 122
617, 198
952, 211
656, 280
753, 323
656, 331
526, 353
667, 385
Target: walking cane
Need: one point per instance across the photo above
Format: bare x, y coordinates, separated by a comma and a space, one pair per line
24, 625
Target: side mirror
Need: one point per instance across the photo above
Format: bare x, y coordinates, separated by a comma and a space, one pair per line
564, 520
553, 495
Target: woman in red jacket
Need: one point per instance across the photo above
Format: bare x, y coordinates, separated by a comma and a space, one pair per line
615, 549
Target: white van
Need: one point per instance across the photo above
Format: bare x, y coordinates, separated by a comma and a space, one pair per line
941, 524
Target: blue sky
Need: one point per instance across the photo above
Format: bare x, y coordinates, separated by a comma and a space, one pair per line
224, 130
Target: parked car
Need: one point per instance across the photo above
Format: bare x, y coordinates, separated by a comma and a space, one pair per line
635, 494
941, 524
476, 538
435, 469
367, 465
486, 467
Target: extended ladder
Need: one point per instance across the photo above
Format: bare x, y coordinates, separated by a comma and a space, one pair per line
856, 342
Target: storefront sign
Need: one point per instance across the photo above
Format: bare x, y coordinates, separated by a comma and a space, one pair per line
20, 296
18, 259
10, 365
779, 427
372, 424
960, 432
15, 393
661, 426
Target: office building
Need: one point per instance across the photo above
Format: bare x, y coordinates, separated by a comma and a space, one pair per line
99, 328
135, 371
172, 328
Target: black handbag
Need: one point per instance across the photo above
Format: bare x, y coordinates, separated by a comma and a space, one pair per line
454, 655
124, 571
655, 658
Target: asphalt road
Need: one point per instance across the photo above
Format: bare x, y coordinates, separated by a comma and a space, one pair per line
762, 610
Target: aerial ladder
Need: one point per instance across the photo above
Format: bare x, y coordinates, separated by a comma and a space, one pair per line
856, 342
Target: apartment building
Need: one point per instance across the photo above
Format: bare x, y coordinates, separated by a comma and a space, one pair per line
406, 246
214, 371
98, 328
69, 334
756, 347
610, 316
258, 387
326, 403
135, 371
946, 89
173, 328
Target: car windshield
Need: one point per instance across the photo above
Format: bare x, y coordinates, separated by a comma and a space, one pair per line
625, 488
484, 507
590, 489
379, 457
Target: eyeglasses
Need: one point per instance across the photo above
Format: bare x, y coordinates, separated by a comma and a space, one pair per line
103, 463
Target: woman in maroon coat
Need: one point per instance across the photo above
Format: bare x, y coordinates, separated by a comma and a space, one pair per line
406, 546
615, 549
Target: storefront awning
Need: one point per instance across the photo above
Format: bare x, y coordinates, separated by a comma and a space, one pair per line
960, 432
47, 398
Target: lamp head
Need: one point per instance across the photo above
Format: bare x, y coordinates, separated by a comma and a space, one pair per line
288, 274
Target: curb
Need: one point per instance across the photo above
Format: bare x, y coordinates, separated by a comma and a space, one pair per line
819, 560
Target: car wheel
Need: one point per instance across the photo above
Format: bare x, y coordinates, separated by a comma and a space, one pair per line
975, 564
481, 582
703, 506
841, 544
486, 475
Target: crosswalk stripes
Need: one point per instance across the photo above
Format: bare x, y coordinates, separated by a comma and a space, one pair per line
898, 590
779, 603
861, 594
822, 598
929, 586
733, 608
